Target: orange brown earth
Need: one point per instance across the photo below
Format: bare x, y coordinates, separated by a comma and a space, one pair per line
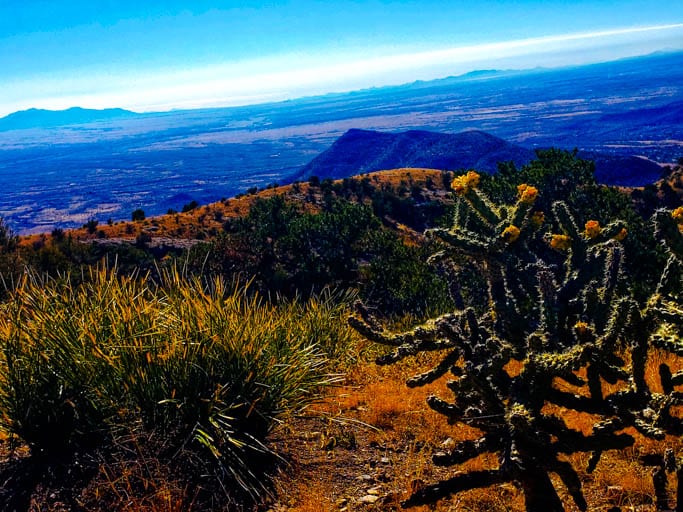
376, 442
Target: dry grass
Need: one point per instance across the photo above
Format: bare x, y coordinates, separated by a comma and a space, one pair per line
407, 432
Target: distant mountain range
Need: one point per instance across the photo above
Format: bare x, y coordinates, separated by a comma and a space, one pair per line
39, 118
362, 151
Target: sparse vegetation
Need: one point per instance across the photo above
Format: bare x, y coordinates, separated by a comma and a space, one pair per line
190, 206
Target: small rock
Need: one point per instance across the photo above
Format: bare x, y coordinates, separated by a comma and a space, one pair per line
448, 443
374, 491
368, 498
342, 502
365, 478
385, 460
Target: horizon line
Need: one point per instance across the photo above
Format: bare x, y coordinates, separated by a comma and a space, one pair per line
220, 89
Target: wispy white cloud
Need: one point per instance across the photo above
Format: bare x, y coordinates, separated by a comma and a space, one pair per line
282, 77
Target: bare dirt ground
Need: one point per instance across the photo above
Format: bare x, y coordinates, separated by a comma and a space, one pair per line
376, 444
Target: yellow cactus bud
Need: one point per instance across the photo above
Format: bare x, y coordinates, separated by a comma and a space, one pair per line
510, 234
621, 235
560, 242
527, 194
461, 185
677, 214
592, 229
581, 328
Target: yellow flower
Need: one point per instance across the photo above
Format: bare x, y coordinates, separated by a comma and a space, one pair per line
592, 229
527, 194
560, 242
537, 219
463, 184
510, 234
677, 214
621, 235
581, 328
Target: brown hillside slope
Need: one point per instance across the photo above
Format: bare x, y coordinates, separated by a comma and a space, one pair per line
206, 221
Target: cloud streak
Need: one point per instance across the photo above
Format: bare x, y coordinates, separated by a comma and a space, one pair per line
290, 76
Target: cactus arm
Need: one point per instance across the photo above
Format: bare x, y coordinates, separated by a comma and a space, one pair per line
668, 231
677, 378
462, 482
566, 220
462, 240
521, 213
409, 350
438, 371
574, 402
617, 323
482, 207
571, 480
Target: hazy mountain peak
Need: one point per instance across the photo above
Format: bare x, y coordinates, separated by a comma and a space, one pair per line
41, 118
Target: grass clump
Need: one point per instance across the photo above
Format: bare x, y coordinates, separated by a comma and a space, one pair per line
203, 370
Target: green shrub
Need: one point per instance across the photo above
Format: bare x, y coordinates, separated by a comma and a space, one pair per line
138, 215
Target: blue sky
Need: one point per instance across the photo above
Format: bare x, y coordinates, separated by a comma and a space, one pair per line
149, 55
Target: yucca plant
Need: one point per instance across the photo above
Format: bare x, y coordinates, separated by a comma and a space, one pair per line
205, 368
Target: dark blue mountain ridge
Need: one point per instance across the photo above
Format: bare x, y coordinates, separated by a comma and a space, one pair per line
360, 151
40, 118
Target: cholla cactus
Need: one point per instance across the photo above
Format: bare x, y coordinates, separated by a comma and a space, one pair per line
558, 306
